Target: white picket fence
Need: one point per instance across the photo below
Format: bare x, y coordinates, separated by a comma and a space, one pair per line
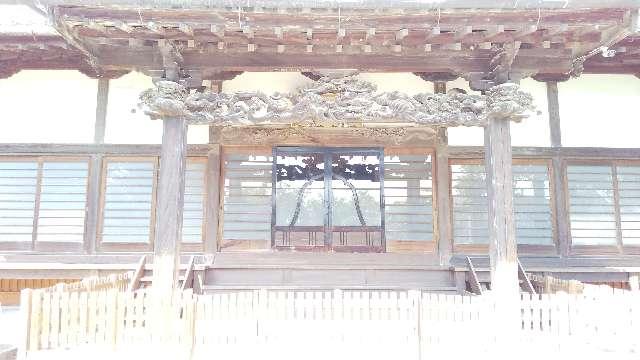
376, 324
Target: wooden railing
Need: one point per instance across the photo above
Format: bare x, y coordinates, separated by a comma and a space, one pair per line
406, 324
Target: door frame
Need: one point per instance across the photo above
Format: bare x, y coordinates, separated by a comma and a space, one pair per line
327, 227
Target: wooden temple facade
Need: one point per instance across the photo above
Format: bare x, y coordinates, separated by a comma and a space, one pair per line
335, 185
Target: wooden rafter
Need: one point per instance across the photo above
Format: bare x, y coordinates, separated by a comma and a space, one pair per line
460, 41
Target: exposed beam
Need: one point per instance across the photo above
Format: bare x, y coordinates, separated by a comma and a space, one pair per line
363, 4
528, 60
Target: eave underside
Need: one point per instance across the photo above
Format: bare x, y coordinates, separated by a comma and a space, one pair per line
474, 44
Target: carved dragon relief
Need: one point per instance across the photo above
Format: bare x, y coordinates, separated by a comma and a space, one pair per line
335, 102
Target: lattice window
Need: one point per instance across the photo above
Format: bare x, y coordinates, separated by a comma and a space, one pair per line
247, 200
63, 197
129, 193
194, 199
408, 194
532, 204
604, 199
18, 190
629, 198
592, 205
42, 200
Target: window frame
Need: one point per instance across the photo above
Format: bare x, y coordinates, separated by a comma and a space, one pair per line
126, 246
619, 248
528, 249
329, 230
49, 246
102, 246
237, 245
198, 247
417, 246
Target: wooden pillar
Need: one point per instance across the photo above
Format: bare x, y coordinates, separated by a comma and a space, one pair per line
559, 191
170, 203
101, 110
443, 202
554, 113
95, 172
502, 234
93, 203
213, 200
442, 176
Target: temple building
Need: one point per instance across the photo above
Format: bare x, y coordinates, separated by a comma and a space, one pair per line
451, 146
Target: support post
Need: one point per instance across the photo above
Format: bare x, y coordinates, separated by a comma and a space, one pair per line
445, 243
560, 201
101, 111
213, 200
554, 113
503, 257
93, 204
502, 235
170, 203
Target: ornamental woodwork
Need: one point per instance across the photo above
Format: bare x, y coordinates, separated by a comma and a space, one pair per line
335, 102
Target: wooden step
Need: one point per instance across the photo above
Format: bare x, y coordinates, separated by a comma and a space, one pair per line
214, 288
148, 279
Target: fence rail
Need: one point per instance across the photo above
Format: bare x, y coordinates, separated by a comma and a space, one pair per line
405, 324
111, 282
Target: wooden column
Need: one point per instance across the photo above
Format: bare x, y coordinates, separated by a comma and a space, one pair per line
213, 200
442, 176
93, 203
95, 172
101, 110
502, 234
559, 191
554, 113
170, 203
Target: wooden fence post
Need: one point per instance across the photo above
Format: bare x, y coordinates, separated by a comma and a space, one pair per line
25, 314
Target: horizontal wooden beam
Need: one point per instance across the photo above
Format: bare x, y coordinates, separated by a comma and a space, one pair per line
528, 60
89, 149
203, 149
548, 152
